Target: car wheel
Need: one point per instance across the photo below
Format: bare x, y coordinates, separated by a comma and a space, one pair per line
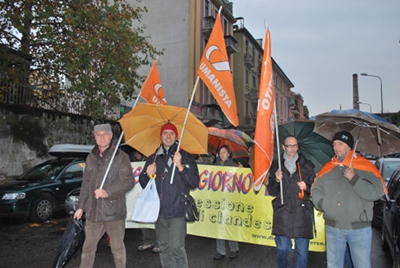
42, 208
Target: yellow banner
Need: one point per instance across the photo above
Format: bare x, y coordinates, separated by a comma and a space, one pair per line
229, 208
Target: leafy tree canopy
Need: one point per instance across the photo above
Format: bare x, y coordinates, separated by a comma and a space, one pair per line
87, 51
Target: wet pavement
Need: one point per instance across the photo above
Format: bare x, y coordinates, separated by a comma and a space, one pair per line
26, 244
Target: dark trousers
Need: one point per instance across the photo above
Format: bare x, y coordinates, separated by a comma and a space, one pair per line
94, 231
171, 235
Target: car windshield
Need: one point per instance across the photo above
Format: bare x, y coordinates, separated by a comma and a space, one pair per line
45, 171
388, 169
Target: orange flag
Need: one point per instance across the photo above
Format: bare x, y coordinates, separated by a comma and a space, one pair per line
214, 71
152, 90
265, 121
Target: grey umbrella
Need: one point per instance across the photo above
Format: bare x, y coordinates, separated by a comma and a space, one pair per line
373, 134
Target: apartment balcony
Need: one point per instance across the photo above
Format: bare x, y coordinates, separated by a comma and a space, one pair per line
248, 60
252, 95
291, 102
212, 113
230, 44
295, 110
208, 25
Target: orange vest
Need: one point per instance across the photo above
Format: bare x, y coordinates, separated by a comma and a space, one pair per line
359, 163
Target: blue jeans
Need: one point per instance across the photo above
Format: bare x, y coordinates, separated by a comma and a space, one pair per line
359, 241
283, 247
347, 259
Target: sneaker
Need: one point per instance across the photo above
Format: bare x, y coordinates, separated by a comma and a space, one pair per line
233, 254
156, 250
219, 256
144, 247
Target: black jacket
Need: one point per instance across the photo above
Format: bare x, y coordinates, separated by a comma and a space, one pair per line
172, 202
294, 218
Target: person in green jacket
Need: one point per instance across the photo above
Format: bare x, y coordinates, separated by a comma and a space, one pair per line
345, 190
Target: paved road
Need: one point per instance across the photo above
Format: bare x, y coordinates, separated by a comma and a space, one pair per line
25, 244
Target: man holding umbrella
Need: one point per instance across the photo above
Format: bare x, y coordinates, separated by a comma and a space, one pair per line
345, 189
293, 216
171, 224
105, 207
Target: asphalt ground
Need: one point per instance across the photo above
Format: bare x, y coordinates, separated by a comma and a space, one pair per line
30, 245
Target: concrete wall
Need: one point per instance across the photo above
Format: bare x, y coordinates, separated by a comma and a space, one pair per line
17, 156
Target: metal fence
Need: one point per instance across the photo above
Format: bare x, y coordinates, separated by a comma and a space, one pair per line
54, 100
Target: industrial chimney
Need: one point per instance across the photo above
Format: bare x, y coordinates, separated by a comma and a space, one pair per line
356, 104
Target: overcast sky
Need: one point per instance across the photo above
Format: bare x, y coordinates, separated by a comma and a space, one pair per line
321, 44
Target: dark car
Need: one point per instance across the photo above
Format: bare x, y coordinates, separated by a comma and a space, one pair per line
71, 202
386, 167
391, 219
42, 190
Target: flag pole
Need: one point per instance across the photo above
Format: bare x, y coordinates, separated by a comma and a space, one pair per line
111, 160
184, 124
122, 134
278, 150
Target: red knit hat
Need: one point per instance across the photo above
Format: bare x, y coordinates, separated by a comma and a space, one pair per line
169, 126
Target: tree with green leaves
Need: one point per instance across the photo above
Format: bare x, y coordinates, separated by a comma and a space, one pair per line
80, 53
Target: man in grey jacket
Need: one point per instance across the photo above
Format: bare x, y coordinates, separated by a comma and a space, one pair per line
105, 207
345, 190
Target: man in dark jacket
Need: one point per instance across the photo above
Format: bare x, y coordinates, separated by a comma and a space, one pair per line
171, 223
293, 218
105, 207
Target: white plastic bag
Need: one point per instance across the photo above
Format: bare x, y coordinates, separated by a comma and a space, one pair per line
147, 205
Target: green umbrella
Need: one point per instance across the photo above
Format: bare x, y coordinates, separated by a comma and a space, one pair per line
312, 146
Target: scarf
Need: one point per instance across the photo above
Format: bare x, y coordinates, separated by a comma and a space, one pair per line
359, 163
290, 164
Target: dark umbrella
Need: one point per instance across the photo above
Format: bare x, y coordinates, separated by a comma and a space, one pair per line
312, 146
71, 242
373, 134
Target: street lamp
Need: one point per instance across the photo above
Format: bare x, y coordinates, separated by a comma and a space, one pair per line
364, 74
370, 107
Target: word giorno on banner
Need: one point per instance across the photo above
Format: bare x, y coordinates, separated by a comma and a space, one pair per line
227, 181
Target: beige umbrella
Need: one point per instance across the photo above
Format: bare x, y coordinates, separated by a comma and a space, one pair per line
142, 126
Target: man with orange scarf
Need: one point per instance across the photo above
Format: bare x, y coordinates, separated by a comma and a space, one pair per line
345, 190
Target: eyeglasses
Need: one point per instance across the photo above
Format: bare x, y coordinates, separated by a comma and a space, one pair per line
291, 146
98, 135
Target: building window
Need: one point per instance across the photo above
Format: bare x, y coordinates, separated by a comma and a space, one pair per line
206, 8
247, 77
225, 30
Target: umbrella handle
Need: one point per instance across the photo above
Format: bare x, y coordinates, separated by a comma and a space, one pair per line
301, 194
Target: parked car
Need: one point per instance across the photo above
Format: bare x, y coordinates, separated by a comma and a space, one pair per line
42, 190
71, 201
386, 167
391, 219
